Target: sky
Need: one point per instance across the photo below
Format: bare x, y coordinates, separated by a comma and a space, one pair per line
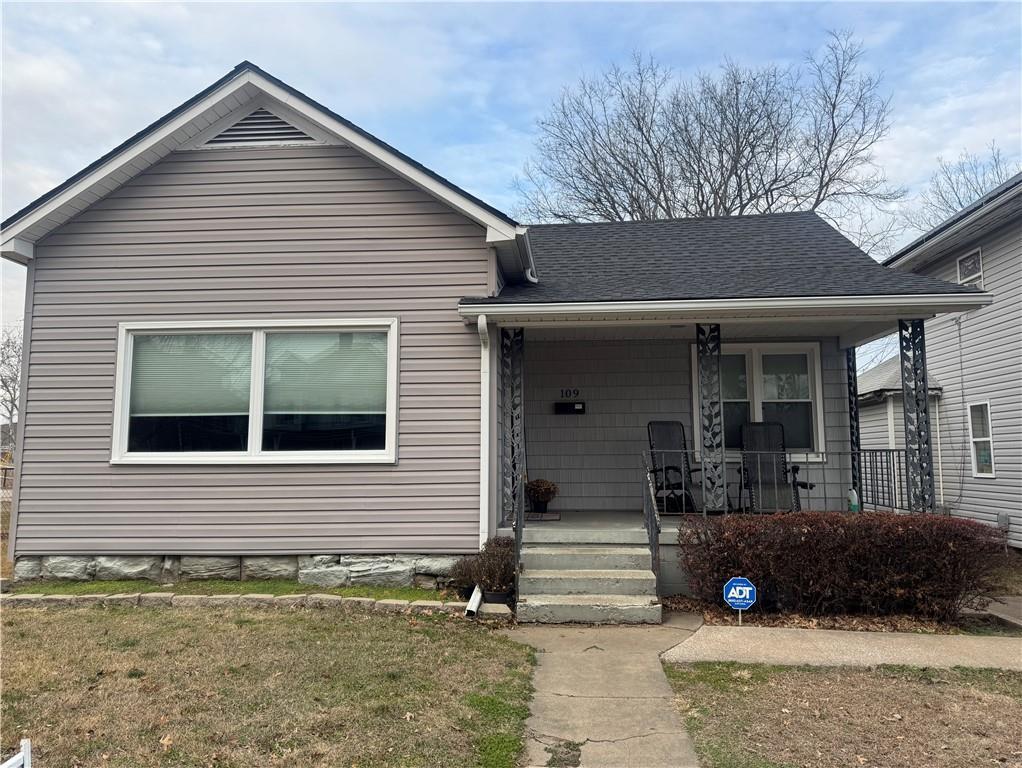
460, 87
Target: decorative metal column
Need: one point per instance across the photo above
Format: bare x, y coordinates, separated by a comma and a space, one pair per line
918, 448
851, 365
711, 416
512, 436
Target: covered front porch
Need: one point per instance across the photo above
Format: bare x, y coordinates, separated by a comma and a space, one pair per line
575, 404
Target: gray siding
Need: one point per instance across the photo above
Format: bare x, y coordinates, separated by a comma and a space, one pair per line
254, 233
625, 383
977, 356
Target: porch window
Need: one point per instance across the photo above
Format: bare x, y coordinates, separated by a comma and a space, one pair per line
283, 392
981, 440
770, 382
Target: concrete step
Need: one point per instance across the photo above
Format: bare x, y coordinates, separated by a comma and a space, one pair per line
587, 582
555, 557
589, 609
538, 534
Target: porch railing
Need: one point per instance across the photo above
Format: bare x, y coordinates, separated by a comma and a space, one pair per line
651, 517
774, 481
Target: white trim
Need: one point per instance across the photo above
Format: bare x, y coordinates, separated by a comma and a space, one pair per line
484, 430
973, 440
754, 352
497, 227
18, 249
924, 303
970, 279
254, 453
891, 436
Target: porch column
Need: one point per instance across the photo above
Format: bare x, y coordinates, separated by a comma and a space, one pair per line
512, 414
918, 449
852, 367
711, 416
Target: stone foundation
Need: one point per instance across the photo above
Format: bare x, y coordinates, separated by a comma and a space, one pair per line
426, 571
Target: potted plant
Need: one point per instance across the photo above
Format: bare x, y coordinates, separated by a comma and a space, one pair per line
540, 493
493, 569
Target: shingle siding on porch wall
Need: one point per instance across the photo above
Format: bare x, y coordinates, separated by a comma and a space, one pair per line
625, 383
255, 233
989, 369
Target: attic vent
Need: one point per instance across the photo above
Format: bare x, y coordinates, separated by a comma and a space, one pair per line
261, 127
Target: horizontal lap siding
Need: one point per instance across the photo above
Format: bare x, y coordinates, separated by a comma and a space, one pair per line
977, 356
250, 234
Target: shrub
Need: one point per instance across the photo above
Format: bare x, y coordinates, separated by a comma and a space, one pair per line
493, 568
819, 563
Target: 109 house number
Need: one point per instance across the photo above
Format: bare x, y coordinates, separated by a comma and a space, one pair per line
570, 393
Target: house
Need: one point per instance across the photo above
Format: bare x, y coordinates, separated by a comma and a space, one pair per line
882, 431
261, 340
977, 356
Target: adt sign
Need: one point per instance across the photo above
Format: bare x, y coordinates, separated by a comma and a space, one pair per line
740, 593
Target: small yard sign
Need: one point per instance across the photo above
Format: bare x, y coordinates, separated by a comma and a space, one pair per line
740, 594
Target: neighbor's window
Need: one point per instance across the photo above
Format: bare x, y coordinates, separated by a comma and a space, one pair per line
981, 440
272, 393
970, 269
769, 382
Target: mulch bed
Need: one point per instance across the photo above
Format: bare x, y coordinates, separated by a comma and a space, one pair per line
720, 616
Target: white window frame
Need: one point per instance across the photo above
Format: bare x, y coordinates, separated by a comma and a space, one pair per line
254, 454
975, 278
754, 369
973, 440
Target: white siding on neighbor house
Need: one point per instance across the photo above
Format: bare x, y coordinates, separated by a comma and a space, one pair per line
313, 232
627, 378
977, 357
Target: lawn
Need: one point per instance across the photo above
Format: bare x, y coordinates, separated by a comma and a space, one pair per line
755, 716
139, 687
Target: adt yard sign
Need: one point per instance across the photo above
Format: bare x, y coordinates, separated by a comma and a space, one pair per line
740, 594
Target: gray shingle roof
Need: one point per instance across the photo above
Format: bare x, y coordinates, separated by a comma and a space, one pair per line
763, 256
886, 376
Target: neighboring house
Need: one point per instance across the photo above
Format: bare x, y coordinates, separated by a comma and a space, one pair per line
977, 355
882, 430
256, 333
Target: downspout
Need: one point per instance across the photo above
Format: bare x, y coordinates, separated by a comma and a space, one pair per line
484, 429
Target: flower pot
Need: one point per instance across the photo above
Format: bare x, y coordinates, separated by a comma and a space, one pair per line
539, 507
498, 597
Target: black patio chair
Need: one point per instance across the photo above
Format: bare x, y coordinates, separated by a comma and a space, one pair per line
672, 469
772, 485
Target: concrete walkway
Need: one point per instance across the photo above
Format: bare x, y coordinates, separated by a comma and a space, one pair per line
825, 647
602, 697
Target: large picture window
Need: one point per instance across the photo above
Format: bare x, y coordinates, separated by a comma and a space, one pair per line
281, 392
778, 382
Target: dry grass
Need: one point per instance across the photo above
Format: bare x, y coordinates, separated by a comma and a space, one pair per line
137, 687
6, 567
752, 716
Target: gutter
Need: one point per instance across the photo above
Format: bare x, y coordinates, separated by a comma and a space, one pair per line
924, 303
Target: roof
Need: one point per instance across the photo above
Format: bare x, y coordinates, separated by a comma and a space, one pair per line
980, 210
234, 88
886, 377
761, 256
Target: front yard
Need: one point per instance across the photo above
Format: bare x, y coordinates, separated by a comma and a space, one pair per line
755, 716
140, 687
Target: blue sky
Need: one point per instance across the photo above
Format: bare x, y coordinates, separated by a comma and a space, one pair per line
459, 87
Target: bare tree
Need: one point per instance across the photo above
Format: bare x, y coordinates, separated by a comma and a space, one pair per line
638, 143
10, 373
955, 184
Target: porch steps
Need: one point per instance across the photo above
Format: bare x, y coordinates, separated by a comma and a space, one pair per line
587, 574
588, 582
